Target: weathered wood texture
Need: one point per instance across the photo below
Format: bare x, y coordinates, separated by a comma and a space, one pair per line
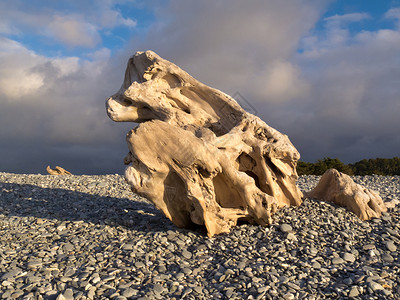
196, 154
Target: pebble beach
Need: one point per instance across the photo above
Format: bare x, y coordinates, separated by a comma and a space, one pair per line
90, 237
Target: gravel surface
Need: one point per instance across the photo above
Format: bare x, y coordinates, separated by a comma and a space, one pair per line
89, 237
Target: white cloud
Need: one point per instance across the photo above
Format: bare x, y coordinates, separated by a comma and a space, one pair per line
337, 33
283, 82
128, 22
76, 23
340, 20
111, 18
20, 84
6, 28
393, 13
17, 82
383, 39
73, 30
66, 65
60, 100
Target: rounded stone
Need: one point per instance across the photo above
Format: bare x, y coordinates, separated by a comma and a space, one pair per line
316, 265
186, 254
288, 296
375, 286
391, 246
337, 261
349, 257
158, 288
129, 292
285, 228
354, 292
387, 258
290, 236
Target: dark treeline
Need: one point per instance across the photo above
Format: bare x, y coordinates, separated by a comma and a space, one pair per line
378, 166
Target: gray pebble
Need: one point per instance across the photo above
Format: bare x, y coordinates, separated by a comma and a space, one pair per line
241, 265
186, 292
158, 288
129, 292
316, 265
349, 257
262, 289
68, 247
375, 286
139, 264
290, 236
186, 254
354, 292
288, 296
369, 247
285, 228
391, 246
387, 258
337, 260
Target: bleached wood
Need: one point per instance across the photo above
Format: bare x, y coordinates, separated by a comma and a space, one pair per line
340, 189
197, 155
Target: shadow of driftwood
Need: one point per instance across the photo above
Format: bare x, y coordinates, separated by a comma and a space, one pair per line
25, 200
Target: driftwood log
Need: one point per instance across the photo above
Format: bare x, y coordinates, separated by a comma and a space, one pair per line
196, 154
57, 171
340, 189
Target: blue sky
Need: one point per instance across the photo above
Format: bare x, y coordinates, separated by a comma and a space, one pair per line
324, 72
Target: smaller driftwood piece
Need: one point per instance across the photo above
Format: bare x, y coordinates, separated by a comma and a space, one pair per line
57, 171
340, 189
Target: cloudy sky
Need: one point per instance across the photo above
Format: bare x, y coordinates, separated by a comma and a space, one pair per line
326, 73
